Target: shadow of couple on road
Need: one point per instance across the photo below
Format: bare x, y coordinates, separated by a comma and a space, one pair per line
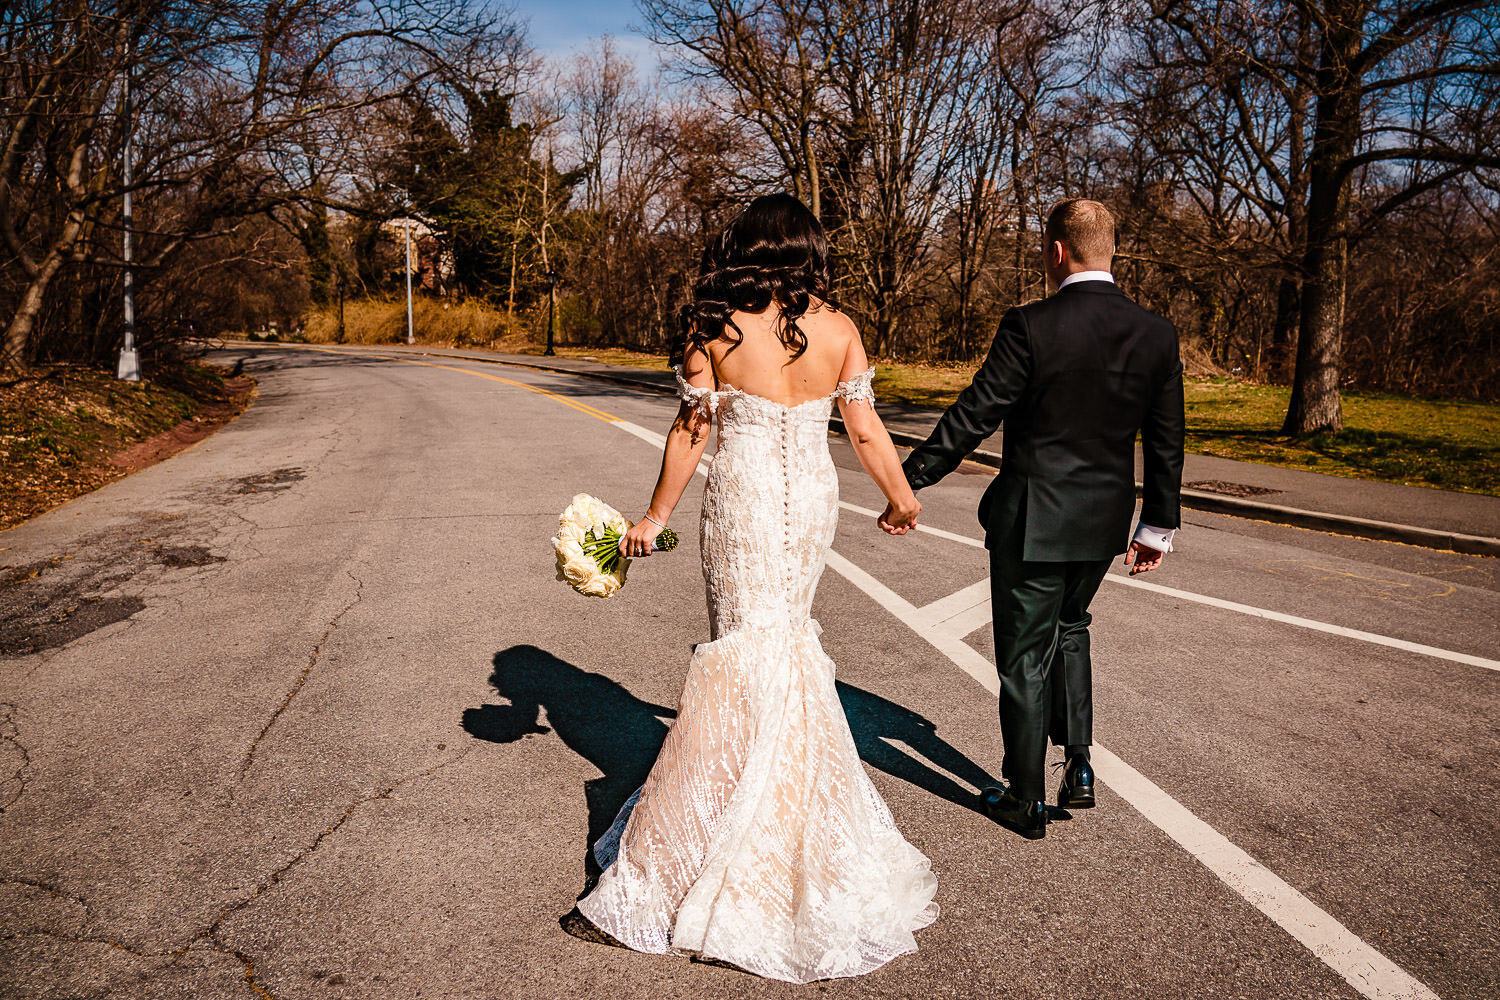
620, 734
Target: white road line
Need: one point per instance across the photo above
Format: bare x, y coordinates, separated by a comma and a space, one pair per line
1364, 968
974, 618
972, 596
953, 647
1245, 609
1308, 623
651, 437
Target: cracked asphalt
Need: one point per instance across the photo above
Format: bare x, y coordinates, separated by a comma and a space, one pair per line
302, 712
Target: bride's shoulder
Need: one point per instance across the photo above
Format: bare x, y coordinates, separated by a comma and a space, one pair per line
827, 317
823, 307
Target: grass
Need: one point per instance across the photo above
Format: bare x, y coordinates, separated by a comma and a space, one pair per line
934, 386
383, 321
454, 324
1446, 444
60, 428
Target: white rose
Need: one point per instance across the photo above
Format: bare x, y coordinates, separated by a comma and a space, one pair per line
574, 566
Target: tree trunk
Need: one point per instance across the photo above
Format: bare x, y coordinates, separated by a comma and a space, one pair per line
313, 235
885, 330
1288, 296
1289, 290
515, 249
814, 187
1315, 404
16, 352
15, 349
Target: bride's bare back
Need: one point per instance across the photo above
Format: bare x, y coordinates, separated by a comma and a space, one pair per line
762, 365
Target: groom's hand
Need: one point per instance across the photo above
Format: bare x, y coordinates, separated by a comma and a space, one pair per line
1144, 556
894, 522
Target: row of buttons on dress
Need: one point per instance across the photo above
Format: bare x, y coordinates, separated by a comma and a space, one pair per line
786, 515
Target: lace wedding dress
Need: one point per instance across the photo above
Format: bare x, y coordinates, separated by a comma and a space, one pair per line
758, 838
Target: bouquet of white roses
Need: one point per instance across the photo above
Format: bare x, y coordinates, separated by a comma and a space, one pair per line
588, 546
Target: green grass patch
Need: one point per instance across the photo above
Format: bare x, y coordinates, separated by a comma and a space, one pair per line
1448, 444
934, 386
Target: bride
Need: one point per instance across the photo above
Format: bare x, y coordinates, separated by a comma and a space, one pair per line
758, 839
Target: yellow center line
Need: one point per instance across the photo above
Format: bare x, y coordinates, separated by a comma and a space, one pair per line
609, 418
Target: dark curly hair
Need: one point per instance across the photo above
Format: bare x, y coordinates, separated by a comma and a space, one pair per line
773, 252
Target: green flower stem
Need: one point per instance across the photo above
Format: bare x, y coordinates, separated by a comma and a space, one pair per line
605, 551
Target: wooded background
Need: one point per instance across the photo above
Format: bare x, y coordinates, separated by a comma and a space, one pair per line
1309, 189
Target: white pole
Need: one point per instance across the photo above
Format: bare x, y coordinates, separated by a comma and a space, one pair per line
129, 367
410, 335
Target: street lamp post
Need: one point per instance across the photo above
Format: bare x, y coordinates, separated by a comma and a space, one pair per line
129, 368
552, 280
411, 337
339, 281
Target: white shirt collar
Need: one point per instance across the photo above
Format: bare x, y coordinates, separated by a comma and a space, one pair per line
1077, 276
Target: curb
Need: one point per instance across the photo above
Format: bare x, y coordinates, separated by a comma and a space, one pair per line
1342, 524
1214, 503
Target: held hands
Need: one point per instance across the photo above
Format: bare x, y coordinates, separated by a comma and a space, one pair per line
894, 522
1146, 558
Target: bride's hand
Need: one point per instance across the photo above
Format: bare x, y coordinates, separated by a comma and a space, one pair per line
636, 542
899, 522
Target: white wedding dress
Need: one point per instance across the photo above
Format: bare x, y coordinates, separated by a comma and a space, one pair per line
757, 838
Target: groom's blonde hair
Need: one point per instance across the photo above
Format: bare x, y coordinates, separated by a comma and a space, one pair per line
1086, 228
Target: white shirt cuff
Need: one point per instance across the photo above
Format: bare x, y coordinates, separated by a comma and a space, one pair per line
1159, 539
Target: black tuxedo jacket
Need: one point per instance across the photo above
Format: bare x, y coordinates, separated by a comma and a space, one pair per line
1074, 378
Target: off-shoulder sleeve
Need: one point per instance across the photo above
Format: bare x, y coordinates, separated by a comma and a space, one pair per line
858, 389
705, 401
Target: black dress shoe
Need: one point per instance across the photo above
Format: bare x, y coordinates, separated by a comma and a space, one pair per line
1077, 788
1022, 816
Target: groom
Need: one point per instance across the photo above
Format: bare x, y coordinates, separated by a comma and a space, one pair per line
1074, 378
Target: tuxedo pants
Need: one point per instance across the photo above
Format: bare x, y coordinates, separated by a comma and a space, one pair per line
1041, 614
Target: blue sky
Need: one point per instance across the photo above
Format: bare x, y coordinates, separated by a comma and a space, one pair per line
561, 26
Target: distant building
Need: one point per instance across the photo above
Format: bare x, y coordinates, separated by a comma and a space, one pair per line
431, 262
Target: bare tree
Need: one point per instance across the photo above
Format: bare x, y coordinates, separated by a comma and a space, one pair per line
1395, 94
227, 88
768, 62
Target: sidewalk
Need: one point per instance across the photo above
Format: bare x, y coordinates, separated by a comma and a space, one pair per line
1463, 522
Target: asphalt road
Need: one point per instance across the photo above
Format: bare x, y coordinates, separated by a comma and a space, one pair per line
302, 712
